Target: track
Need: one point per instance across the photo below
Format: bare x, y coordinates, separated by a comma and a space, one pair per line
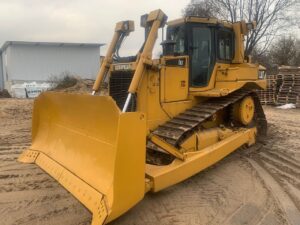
230, 192
182, 126
185, 124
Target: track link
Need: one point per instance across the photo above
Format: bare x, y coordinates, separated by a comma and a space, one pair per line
182, 126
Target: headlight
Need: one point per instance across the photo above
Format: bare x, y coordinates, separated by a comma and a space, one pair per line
261, 74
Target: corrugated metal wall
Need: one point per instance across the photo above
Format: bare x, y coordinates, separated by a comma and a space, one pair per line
38, 62
1, 73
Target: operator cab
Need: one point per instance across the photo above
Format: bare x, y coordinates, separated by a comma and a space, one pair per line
204, 41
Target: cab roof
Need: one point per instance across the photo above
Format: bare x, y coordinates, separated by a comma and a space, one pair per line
194, 19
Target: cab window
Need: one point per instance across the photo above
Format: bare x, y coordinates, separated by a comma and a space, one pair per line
201, 56
225, 45
176, 36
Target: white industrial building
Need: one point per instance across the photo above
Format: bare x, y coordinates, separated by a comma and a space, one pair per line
38, 61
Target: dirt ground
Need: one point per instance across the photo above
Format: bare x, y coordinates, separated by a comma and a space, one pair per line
260, 185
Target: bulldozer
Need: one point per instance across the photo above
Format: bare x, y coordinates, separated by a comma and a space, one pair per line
160, 122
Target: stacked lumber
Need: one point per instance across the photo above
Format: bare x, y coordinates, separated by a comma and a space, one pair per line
289, 86
268, 96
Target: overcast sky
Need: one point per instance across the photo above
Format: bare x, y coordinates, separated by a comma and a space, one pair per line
77, 20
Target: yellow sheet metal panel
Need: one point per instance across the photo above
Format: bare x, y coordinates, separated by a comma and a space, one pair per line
125, 26
176, 22
148, 100
165, 176
176, 83
88, 137
238, 72
129, 177
78, 131
28, 156
235, 85
155, 15
167, 147
87, 195
202, 139
191, 19
239, 55
215, 92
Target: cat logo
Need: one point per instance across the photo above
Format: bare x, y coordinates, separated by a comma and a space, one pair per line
123, 67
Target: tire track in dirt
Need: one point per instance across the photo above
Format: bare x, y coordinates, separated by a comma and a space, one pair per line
29, 196
215, 196
279, 160
229, 192
288, 205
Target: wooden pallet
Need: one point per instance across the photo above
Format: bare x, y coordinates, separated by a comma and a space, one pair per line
267, 96
288, 86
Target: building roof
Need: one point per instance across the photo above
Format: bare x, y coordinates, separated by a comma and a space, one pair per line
8, 43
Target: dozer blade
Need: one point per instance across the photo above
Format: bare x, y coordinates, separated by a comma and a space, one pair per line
92, 149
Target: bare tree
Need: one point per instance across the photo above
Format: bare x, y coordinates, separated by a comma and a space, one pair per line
201, 8
263, 58
270, 15
284, 51
296, 61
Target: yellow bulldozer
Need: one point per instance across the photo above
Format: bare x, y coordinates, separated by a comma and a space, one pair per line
161, 121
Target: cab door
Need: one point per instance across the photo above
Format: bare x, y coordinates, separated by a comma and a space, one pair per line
201, 53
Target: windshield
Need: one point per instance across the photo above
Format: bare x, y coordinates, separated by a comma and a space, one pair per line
176, 35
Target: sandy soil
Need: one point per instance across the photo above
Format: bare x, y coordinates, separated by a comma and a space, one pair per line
260, 185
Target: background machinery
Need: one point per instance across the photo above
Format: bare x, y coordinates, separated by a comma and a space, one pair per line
163, 120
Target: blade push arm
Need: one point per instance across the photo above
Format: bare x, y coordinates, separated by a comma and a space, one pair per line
123, 28
155, 20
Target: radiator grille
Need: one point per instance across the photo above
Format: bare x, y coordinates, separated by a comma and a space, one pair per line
118, 88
